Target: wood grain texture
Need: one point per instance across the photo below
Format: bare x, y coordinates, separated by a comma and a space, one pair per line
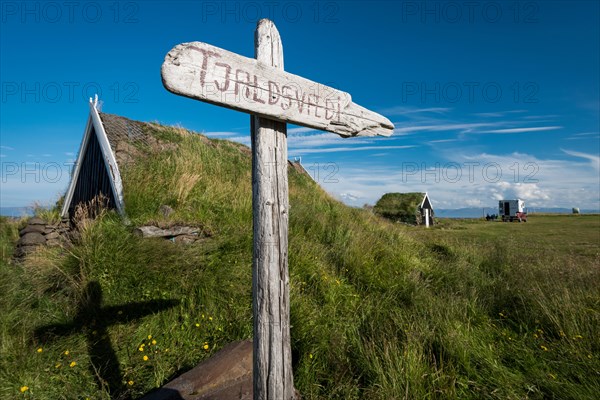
272, 369
207, 73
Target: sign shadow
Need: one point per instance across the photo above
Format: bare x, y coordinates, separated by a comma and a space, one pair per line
93, 320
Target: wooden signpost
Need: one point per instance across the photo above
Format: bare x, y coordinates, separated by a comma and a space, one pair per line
273, 97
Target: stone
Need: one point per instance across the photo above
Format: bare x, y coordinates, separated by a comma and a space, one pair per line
186, 239
153, 231
36, 221
31, 239
52, 235
226, 375
165, 210
22, 251
53, 243
32, 228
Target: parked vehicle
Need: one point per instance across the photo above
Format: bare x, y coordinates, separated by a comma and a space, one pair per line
512, 210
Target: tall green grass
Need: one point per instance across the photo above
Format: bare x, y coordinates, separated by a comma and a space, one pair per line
378, 310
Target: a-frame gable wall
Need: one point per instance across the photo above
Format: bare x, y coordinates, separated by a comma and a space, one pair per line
109, 177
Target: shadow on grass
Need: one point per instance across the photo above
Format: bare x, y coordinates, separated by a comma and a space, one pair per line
94, 320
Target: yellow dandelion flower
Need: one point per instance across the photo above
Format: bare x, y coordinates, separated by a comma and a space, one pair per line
130, 383
24, 389
39, 350
210, 318
197, 325
310, 355
146, 358
141, 348
66, 352
154, 342
73, 363
205, 346
543, 348
149, 337
166, 350
202, 316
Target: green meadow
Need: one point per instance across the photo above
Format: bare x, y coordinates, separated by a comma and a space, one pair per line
467, 309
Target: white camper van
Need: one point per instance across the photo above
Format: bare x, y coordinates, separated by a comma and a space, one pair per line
512, 210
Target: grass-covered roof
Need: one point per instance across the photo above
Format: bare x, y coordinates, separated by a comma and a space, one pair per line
402, 207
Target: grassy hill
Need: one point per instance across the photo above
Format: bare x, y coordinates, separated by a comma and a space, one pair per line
465, 310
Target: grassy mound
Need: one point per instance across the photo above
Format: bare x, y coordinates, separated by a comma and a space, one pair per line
400, 207
379, 311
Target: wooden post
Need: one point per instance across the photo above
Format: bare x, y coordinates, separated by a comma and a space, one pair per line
274, 97
272, 369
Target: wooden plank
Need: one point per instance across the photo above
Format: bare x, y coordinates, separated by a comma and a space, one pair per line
207, 73
272, 367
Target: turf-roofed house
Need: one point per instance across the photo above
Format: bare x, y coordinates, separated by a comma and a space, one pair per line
110, 144
411, 208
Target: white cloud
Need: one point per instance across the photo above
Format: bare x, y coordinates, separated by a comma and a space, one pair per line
463, 127
497, 114
522, 130
443, 141
293, 131
36, 181
594, 159
473, 203
318, 140
403, 110
349, 197
241, 139
6, 148
483, 180
303, 151
585, 134
549, 116
220, 134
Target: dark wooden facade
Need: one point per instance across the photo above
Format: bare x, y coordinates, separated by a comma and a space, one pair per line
93, 179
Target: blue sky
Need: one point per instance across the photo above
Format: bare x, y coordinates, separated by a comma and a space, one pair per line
491, 100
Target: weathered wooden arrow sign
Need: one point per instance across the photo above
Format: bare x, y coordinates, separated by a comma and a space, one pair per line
262, 88
207, 73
